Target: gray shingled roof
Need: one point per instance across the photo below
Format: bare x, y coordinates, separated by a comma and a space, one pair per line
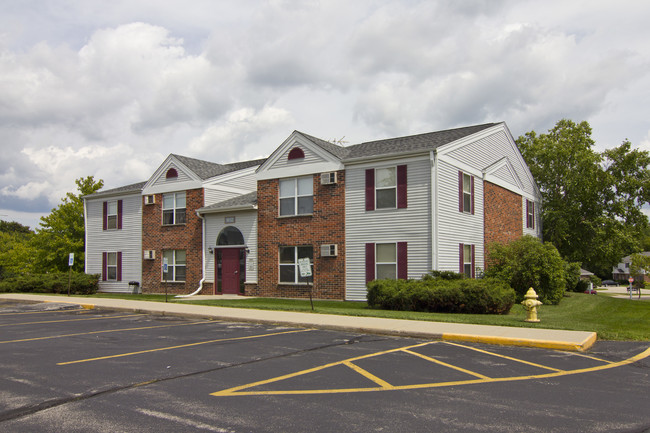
135, 187
412, 143
206, 169
243, 201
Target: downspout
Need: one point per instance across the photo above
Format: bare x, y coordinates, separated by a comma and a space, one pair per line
197, 291
434, 209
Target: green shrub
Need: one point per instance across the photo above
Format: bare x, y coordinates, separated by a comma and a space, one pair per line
572, 276
80, 284
526, 263
445, 275
485, 296
595, 280
581, 286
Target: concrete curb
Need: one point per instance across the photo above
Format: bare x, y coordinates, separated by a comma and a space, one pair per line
576, 341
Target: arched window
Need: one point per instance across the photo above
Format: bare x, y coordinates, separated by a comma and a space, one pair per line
230, 236
171, 173
296, 153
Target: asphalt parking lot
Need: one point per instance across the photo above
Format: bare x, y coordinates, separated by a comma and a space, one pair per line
70, 369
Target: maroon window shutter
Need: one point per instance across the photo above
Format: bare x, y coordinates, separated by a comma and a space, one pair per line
472, 186
119, 214
104, 262
460, 191
370, 189
473, 261
402, 261
401, 187
461, 259
370, 262
119, 266
105, 216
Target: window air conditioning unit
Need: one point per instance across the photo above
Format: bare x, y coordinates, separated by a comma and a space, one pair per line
149, 199
328, 178
329, 250
149, 254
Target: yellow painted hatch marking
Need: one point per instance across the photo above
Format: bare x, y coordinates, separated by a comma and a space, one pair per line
79, 310
120, 355
369, 375
101, 332
70, 320
239, 390
504, 356
436, 361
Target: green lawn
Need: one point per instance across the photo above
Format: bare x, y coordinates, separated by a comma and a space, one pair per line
611, 318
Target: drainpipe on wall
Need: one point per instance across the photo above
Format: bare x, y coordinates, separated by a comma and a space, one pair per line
197, 291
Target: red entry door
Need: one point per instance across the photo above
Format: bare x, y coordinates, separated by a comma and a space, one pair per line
230, 271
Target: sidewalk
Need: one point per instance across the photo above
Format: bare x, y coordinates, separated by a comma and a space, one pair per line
530, 337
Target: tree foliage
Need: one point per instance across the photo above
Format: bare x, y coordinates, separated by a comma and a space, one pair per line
591, 200
526, 263
62, 231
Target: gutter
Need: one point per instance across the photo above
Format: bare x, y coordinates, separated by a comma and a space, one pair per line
198, 290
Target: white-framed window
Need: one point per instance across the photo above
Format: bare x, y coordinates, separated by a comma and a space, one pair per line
289, 272
111, 215
467, 192
176, 265
386, 261
467, 260
297, 196
111, 266
174, 208
530, 214
386, 187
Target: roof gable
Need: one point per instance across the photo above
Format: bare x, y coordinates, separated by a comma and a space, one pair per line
316, 156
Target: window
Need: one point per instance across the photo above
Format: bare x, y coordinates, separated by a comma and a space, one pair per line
112, 266
296, 153
465, 193
530, 214
112, 215
174, 208
176, 263
171, 174
297, 196
386, 260
289, 272
386, 188
467, 260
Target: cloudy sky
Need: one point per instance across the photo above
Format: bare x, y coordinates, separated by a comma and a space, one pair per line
109, 89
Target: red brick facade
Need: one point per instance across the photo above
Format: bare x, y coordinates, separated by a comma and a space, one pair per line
188, 236
325, 226
503, 217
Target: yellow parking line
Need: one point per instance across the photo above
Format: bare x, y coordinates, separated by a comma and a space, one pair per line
480, 376
101, 332
369, 375
70, 320
237, 391
179, 346
504, 356
82, 310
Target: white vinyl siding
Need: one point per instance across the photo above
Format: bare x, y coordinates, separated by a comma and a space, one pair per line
455, 227
229, 186
284, 161
246, 222
162, 179
128, 240
411, 224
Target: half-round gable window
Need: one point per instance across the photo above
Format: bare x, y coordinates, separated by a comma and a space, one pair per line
230, 236
171, 173
296, 153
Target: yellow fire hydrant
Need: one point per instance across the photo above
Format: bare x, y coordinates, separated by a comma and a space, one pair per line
531, 303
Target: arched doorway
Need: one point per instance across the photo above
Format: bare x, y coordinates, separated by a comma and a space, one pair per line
230, 262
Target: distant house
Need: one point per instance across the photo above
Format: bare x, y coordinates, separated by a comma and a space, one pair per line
394, 208
621, 272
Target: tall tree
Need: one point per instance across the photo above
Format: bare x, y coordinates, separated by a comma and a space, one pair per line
592, 201
62, 231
